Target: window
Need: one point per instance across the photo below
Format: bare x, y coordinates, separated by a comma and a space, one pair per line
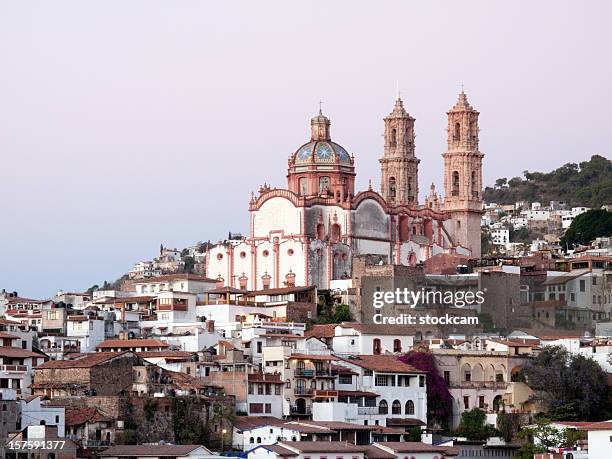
381, 380
409, 407
466, 402
268, 408
256, 408
455, 187
323, 185
376, 347
396, 407
582, 285
392, 188
457, 135
383, 408
345, 379
397, 345
393, 137
481, 402
277, 389
447, 377
467, 376
421, 381
303, 186
258, 440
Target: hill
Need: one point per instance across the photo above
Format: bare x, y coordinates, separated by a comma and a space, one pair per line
586, 184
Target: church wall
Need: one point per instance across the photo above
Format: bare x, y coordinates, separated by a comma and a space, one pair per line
294, 262
276, 214
342, 261
317, 264
265, 264
242, 263
327, 214
371, 220
366, 247
217, 262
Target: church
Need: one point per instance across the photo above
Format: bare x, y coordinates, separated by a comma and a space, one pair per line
308, 233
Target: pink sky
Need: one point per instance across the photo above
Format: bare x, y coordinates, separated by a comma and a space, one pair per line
126, 124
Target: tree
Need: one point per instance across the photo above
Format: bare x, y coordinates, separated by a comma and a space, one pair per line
587, 226
572, 387
189, 264
501, 182
342, 313
548, 436
473, 425
414, 434
439, 400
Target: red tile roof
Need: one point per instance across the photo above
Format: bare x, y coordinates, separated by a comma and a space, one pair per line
80, 416
243, 423
18, 353
606, 425
417, 447
381, 363
130, 343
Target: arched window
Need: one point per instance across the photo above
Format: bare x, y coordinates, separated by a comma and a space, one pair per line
410, 188
251, 440
321, 231
409, 407
303, 186
397, 345
335, 233
323, 185
455, 191
457, 131
407, 137
376, 347
383, 408
392, 188
393, 137
396, 407
474, 185
258, 440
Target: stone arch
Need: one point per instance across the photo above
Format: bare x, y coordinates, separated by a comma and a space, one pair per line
477, 372
466, 372
490, 372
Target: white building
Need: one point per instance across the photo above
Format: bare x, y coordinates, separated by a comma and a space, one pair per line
357, 339
599, 439
500, 236
399, 391
34, 413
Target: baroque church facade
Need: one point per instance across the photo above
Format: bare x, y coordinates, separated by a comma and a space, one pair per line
307, 233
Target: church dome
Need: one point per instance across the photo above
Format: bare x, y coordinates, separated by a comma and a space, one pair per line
320, 149
322, 152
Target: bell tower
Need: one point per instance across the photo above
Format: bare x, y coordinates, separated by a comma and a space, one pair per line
399, 166
463, 175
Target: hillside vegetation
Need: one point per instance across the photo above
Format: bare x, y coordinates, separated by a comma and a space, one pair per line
588, 183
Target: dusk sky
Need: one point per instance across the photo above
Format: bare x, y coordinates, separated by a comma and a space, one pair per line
126, 124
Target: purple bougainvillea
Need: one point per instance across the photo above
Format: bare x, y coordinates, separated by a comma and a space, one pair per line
439, 400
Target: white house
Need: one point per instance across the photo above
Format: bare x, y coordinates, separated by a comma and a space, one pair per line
380, 388
33, 413
599, 439
356, 339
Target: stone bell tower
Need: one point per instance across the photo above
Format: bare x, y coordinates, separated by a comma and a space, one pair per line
399, 166
463, 176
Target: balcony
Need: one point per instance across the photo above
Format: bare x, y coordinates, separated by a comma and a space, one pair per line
367, 410
497, 385
298, 411
304, 373
303, 391
13, 368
